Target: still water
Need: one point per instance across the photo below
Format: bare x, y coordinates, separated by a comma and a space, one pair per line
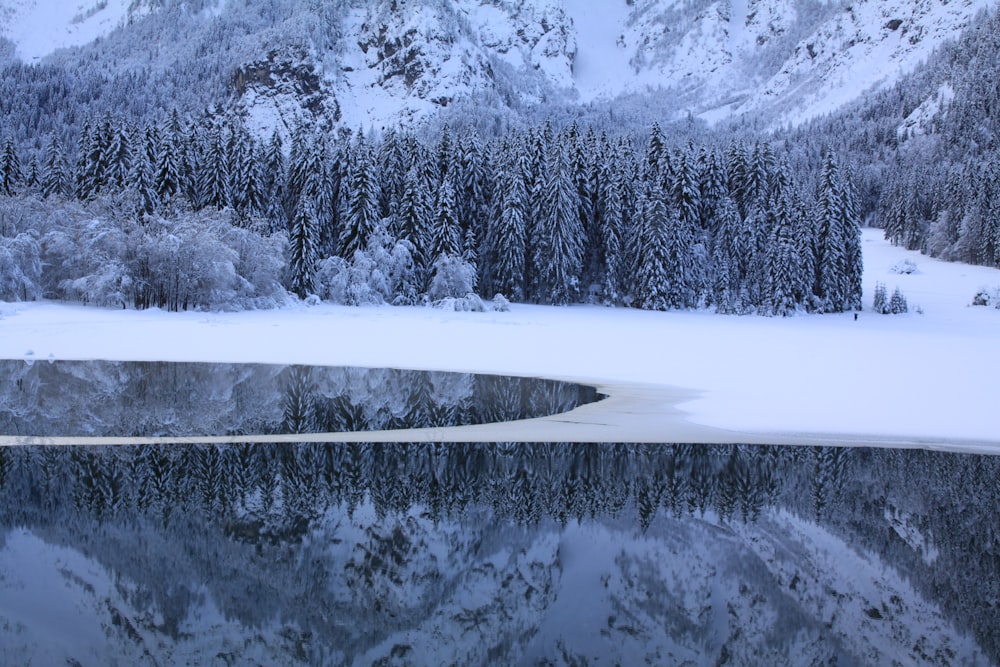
551, 553
117, 398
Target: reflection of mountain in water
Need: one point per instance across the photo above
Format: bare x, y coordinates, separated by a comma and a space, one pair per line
415, 554
115, 398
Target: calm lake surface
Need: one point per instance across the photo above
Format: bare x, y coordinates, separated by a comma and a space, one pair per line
548, 553
531, 554
126, 399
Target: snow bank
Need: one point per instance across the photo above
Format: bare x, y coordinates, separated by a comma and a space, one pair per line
917, 379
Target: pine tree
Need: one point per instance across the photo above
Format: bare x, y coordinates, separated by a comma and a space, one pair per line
167, 179
783, 283
118, 155
446, 232
686, 195
246, 178
213, 179
507, 233
612, 232
414, 221
726, 271
141, 179
559, 251
653, 282
838, 260
679, 263
897, 302
880, 302
302, 250
361, 214
55, 170
92, 168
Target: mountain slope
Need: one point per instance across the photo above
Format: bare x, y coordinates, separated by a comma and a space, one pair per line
381, 63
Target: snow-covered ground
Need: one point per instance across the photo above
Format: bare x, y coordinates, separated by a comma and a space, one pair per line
928, 379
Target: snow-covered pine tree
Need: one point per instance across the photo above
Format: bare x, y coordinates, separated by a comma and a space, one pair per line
880, 301
392, 167
897, 302
686, 197
784, 276
246, 178
726, 278
612, 231
302, 250
167, 178
838, 260
360, 215
446, 232
559, 254
55, 180
119, 154
737, 168
274, 183
141, 179
506, 235
213, 176
413, 221
92, 168
682, 274
655, 151
652, 282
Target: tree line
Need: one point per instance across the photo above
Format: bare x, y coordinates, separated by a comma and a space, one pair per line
538, 215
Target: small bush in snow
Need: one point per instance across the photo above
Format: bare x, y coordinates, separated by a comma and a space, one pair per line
904, 267
469, 303
500, 303
382, 273
984, 297
453, 278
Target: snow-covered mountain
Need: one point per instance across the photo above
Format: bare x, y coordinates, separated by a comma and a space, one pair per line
360, 63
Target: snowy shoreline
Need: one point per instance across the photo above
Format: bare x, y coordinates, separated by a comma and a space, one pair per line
917, 380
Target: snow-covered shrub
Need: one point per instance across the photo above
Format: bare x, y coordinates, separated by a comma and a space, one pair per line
452, 277
469, 303
260, 263
904, 267
382, 273
20, 268
500, 303
330, 281
984, 297
108, 285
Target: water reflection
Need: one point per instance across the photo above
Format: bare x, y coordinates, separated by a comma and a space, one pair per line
114, 398
472, 554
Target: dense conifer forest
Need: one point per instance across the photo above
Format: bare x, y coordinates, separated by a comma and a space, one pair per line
184, 214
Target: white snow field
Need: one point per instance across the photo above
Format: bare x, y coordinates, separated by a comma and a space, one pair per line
929, 379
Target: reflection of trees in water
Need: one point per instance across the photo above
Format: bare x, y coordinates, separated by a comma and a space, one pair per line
160, 398
271, 495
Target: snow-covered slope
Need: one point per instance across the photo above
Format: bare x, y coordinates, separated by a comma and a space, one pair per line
39, 27
389, 61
